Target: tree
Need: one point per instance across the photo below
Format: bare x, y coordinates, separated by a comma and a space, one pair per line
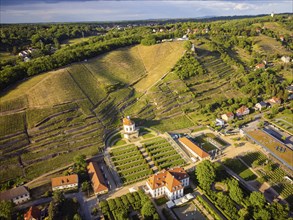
104, 206
235, 192
85, 186
148, 209
6, 209
243, 214
278, 211
58, 197
148, 40
112, 204
262, 214
51, 211
187, 45
77, 217
206, 174
257, 199
80, 164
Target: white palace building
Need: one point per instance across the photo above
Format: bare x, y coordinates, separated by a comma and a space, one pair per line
168, 182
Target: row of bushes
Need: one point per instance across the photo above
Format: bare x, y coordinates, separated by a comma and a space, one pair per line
132, 163
124, 156
134, 170
208, 207
117, 152
137, 176
128, 160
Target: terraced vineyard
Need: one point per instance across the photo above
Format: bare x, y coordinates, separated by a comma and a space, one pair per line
130, 164
162, 153
50, 118
276, 177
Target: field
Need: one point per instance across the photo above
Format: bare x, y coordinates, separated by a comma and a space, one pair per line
275, 176
240, 169
74, 41
158, 61
162, 153
129, 163
268, 45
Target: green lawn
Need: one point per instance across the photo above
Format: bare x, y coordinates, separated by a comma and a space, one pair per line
240, 169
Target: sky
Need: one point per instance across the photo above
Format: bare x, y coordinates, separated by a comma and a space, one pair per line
35, 11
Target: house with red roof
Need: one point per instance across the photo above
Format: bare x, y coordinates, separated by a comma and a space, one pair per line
275, 100
228, 116
260, 66
243, 110
168, 182
65, 182
33, 214
97, 179
194, 149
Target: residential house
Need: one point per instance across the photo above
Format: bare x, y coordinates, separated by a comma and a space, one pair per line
286, 59
97, 179
228, 116
243, 110
33, 214
194, 149
261, 105
258, 30
290, 89
17, 195
275, 100
168, 182
220, 122
65, 182
260, 66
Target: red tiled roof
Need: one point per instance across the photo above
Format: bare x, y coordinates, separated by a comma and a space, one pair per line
241, 110
275, 100
127, 121
64, 180
168, 178
32, 213
97, 178
192, 146
260, 66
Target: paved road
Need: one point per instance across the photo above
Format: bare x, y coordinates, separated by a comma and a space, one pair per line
33, 203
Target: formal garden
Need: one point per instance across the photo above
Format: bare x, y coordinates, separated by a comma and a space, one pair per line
162, 153
129, 163
130, 206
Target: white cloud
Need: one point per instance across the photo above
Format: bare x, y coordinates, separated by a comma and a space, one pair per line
242, 6
126, 10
